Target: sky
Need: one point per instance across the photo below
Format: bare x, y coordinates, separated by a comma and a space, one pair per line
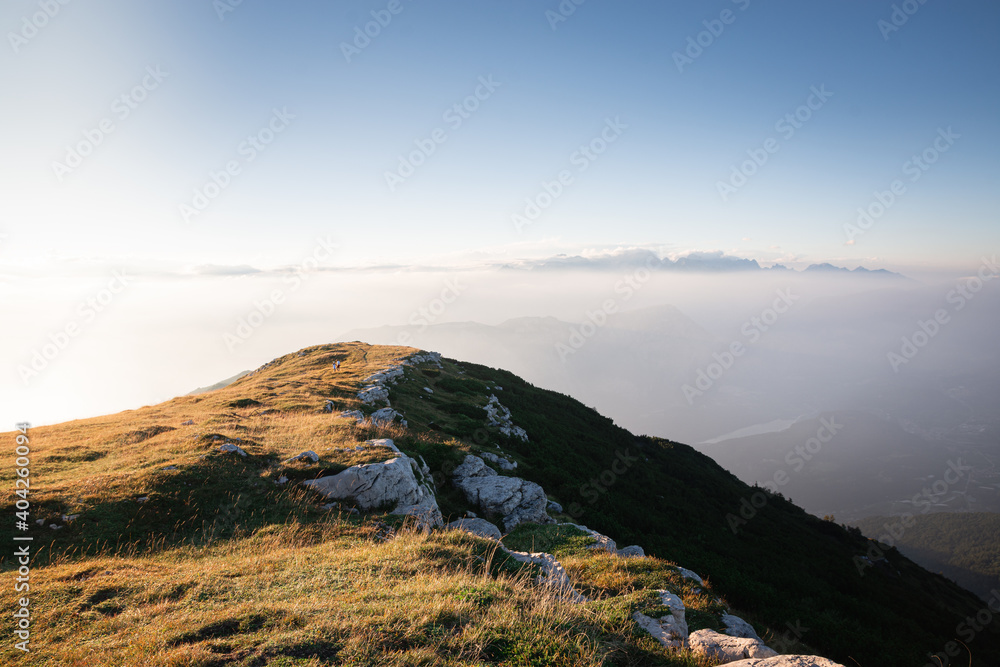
218, 138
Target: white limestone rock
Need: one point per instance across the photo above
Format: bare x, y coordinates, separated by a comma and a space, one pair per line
670, 630
374, 394
786, 661
737, 627
230, 447
688, 574
308, 454
726, 648
499, 461
513, 499
553, 573
480, 527
385, 416
374, 485
356, 415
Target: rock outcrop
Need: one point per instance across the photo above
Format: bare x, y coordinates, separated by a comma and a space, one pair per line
499, 416
378, 485
480, 527
553, 574
670, 630
737, 627
725, 648
512, 499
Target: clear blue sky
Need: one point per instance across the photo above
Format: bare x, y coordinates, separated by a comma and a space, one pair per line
656, 185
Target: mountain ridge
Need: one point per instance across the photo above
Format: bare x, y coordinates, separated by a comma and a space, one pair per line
149, 477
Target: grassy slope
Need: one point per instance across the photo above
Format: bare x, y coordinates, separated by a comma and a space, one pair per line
222, 566
964, 546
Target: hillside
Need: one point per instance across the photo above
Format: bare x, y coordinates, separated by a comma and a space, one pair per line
964, 546
181, 534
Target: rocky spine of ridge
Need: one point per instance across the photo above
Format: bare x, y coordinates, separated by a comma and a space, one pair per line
406, 486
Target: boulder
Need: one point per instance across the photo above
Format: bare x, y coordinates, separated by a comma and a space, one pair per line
737, 627
376, 485
786, 661
356, 415
688, 574
554, 507
230, 447
309, 454
480, 527
725, 648
385, 416
380, 442
513, 499
670, 630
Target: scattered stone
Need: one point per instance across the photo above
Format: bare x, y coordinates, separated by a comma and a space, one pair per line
189, 422
70, 517
142, 500
54, 526
428, 390
513, 499
170, 468
329, 506
425, 358
737, 627
503, 463
480, 527
39, 521
328, 407
230, 447
688, 574
381, 442
471, 515
281, 480
308, 454
725, 648
633, 551
553, 507
356, 415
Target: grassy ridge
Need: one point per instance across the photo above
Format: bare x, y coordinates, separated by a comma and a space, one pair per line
182, 555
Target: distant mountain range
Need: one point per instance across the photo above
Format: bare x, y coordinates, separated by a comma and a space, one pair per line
713, 262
